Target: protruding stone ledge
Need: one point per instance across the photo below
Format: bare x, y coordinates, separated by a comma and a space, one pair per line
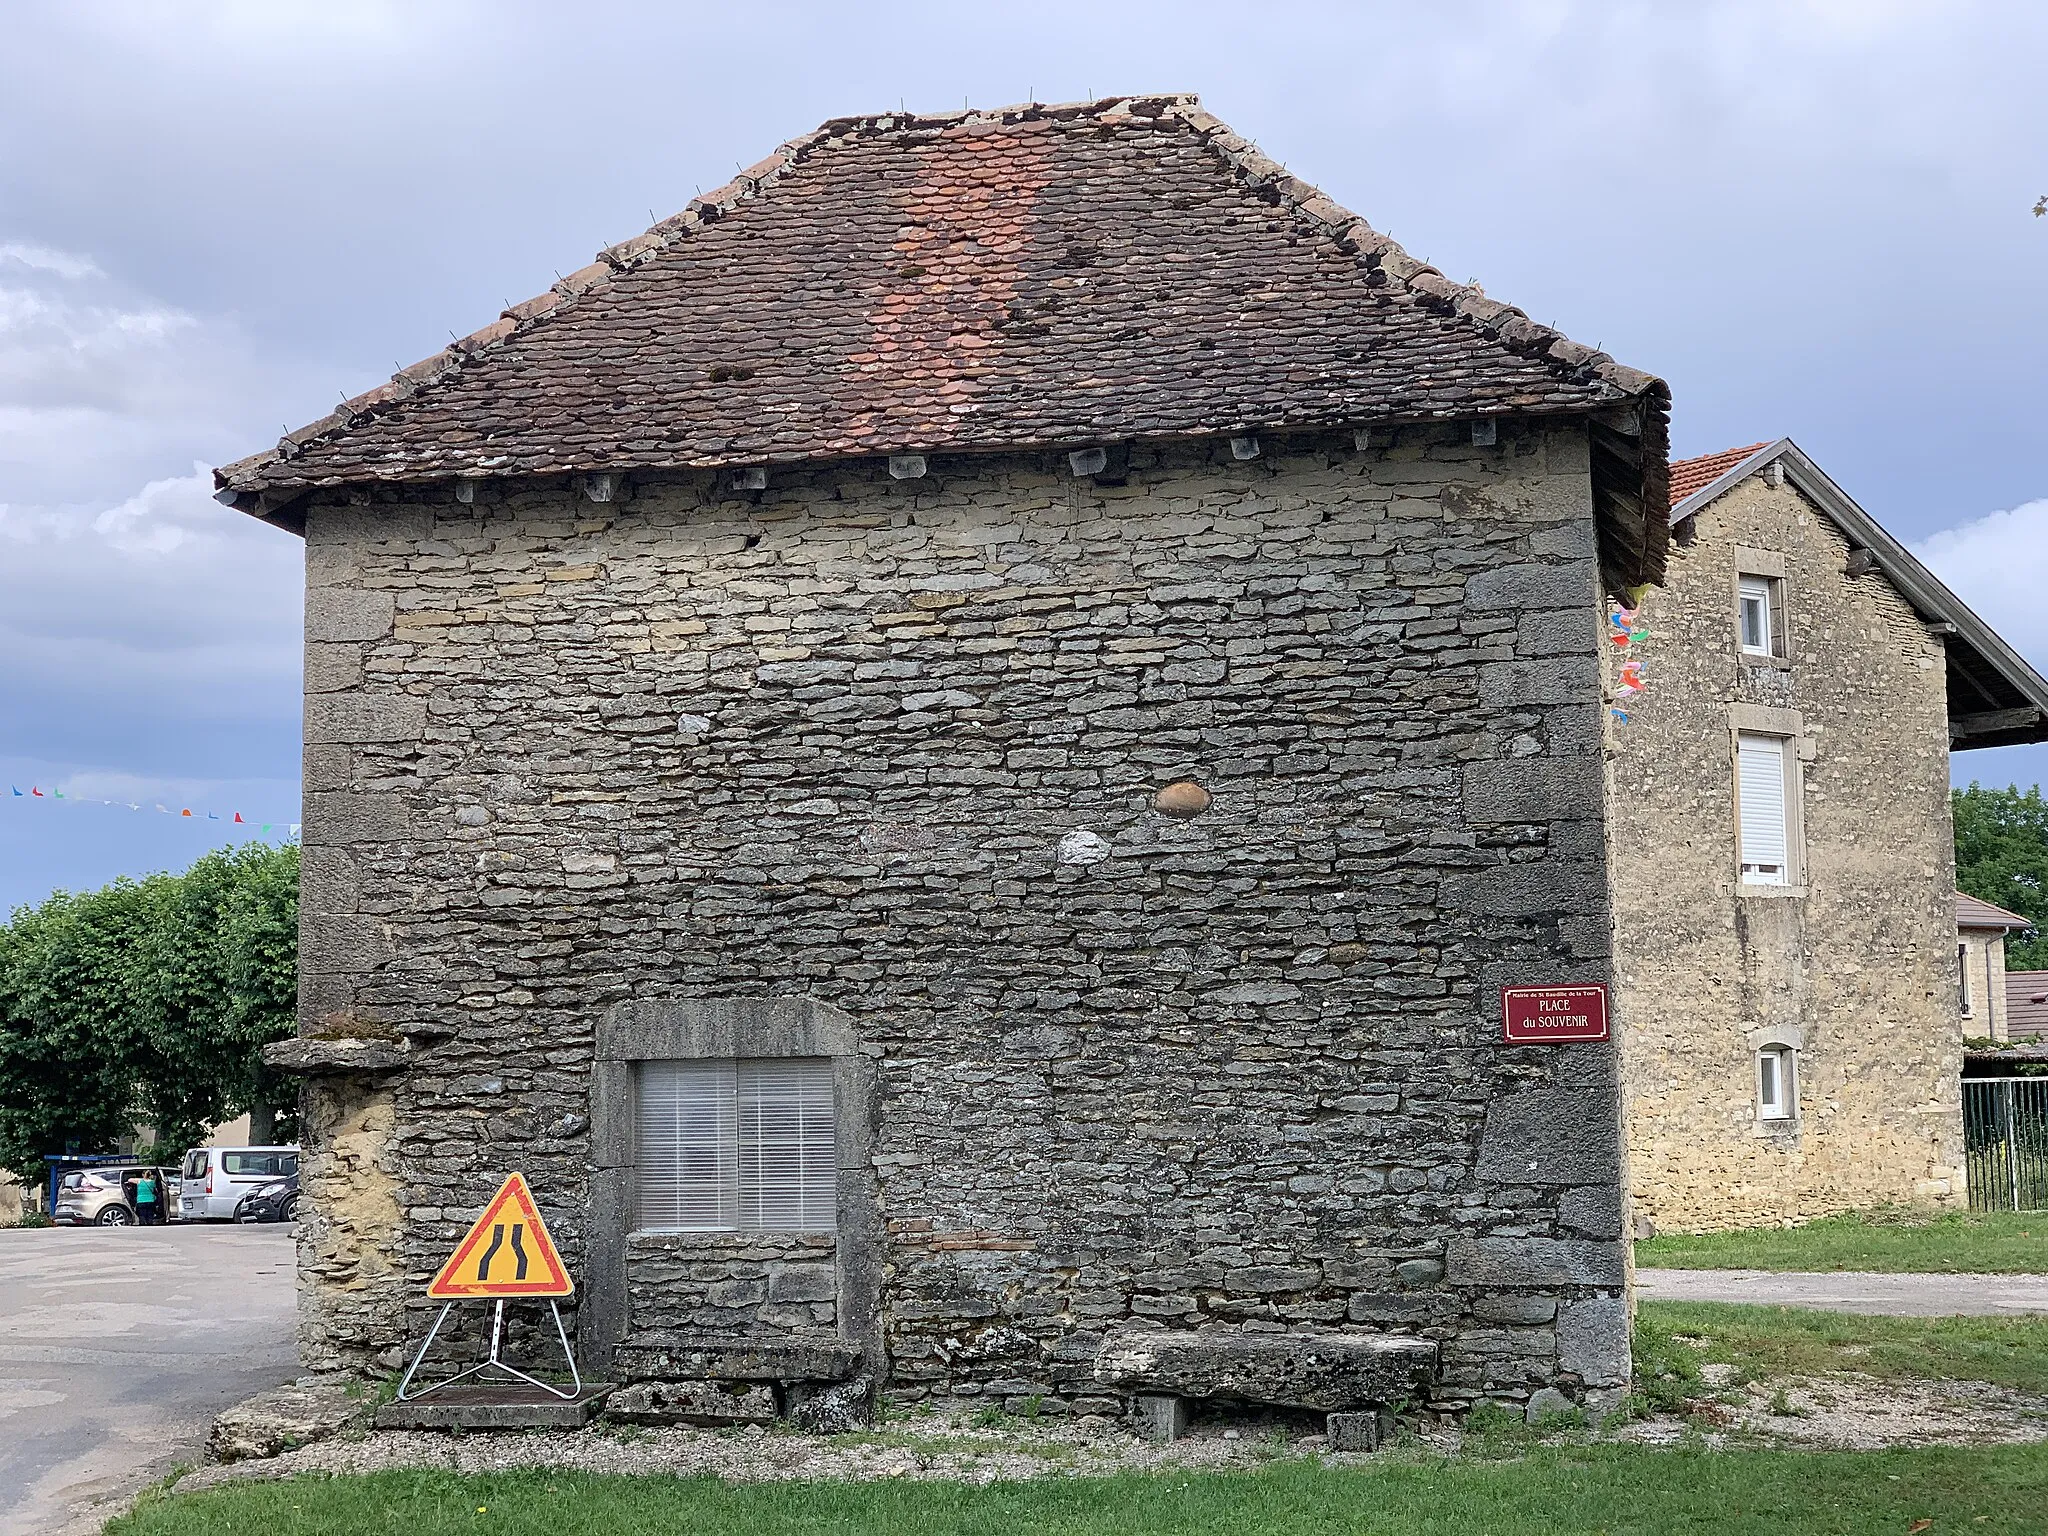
1329, 1372
326, 1058
678, 1357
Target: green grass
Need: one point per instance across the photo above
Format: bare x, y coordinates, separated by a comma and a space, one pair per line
1887, 1242
1619, 1490
1785, 1341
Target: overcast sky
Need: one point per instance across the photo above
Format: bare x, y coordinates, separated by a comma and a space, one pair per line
1813, 217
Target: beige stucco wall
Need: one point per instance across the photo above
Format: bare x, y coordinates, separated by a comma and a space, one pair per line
1855, 964
1985, 960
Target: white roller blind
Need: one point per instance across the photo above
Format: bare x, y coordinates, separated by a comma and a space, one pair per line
1760, 784
737, 1146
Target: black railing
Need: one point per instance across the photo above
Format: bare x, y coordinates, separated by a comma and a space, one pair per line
2005, 1142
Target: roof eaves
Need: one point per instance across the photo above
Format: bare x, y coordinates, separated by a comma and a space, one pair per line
1640, 402
245, 475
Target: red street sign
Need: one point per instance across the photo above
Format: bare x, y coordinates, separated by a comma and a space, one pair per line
1552, 1015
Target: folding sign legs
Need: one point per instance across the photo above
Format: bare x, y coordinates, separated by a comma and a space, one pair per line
494, 1359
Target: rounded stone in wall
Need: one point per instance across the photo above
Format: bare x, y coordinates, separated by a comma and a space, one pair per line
1182, 799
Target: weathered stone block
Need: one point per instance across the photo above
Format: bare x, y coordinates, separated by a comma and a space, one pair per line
802, 1282
1328, 1371
1593, 1339
1594, 1211
339, 818
1531, 586
1534, 789
347, 614
1161, 1417
1355, 1431
710, 1403
1534, 1261
364, 718
1551, 1136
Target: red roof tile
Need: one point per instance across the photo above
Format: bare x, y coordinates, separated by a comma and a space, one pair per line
1036, 276
1689, 475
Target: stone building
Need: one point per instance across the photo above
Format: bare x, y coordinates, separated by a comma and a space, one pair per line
1784, 886
1981, 929
950, 750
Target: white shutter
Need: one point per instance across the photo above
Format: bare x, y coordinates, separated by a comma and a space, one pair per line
688, 1152
1760, 788
737, 1145
788, 1145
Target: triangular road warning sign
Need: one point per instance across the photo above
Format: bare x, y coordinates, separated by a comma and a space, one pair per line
507, 1253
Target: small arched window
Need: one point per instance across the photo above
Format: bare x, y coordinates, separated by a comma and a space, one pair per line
1777, 1083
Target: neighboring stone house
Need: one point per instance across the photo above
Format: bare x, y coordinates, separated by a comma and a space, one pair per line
1784, 885
1981, 929
950, 750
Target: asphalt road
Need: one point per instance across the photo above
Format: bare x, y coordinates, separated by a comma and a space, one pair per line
1885, 1295
118, 1345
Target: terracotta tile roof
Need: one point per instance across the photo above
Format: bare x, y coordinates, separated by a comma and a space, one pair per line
2026, 1005
1034, 276
1972, 913
1689, 475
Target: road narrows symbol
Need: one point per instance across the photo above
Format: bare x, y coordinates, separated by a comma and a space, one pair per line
510, 1222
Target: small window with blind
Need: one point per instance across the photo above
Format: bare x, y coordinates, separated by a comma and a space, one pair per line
1760, 615
1763, 809
1777, 1085
737, 1146
1963, 975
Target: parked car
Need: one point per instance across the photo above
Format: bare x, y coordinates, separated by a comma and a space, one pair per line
216, 1178
105, 1196
276, 1201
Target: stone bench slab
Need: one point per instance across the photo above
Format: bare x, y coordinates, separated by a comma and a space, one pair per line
1325, 1372
681, 1357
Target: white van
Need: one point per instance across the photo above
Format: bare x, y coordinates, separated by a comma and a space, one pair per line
216, 1178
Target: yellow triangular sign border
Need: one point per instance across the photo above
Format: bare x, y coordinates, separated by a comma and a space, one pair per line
512, 1206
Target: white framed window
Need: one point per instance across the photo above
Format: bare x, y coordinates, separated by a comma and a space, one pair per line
1777, 1083
1760, 615
1963, 975
737, 1146
1763, 808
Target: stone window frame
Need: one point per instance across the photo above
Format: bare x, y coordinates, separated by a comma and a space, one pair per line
724, 1029
1790, 727
1768, 566
1791, 1040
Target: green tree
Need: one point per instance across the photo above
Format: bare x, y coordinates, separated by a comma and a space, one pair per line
149, 1001
2002, 857
69, 1023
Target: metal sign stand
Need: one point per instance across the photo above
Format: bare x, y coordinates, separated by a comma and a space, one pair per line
494, 1359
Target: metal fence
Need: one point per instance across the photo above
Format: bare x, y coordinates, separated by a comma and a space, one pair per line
2005, 1140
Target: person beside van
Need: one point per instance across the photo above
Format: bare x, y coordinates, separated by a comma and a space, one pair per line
148, 1205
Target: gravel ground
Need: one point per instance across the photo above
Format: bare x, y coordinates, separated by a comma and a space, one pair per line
1856, 1413
1835, 1413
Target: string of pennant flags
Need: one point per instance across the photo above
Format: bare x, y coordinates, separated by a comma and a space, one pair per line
1626, 629
183, 813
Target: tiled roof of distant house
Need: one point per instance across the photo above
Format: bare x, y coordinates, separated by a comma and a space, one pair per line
1972, 913
1689, 475
1038, 276
2026, 1004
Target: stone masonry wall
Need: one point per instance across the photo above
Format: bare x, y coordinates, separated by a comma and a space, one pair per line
1857, 964
892, 746
1985, 959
